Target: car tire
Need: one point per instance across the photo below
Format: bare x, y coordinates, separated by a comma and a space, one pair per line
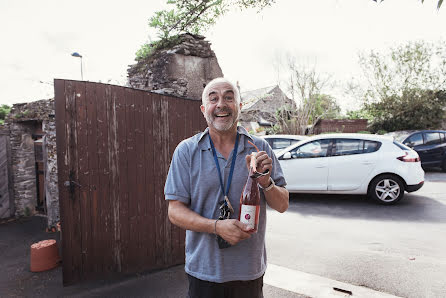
386, 189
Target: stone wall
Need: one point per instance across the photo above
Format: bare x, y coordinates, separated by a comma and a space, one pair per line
6, 195
182, 70
25, 121
23, 168
50, 161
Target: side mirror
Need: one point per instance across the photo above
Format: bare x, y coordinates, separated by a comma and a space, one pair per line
286, 155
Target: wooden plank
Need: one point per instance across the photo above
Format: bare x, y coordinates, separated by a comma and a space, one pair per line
104, 229
165, 158
149, 162
93, 180
158, 183
82, 178
112, 93
132, 185
71, 94
62, 173
140, 180
123, 187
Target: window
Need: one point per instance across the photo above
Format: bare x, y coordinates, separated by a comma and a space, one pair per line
347, 147
313, 149
414, 140
354, 146
371, 146
282, 143
443, 137
432, 138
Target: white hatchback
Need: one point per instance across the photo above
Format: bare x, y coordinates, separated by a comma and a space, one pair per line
352, 164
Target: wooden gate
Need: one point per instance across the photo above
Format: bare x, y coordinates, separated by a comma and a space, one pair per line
114, 146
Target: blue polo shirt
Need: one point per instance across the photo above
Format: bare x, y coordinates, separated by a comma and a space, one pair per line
193, 180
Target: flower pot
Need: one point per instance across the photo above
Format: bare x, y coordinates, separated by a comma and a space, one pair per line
44, 255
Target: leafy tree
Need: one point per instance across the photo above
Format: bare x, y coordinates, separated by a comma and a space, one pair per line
4, 110
404, 86
191, 16
414, 109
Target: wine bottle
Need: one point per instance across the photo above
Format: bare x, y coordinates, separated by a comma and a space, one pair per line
250, 199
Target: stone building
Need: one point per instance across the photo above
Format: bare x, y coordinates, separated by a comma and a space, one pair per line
181, 70
260, 106
31, 131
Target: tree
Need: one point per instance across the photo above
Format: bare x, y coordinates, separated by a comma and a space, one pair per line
191, 16
306, 88
4, 110
414, 109
404, 82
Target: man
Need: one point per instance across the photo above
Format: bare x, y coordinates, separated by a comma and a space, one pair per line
195, 195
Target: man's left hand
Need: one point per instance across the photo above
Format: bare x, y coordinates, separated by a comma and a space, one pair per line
264, 163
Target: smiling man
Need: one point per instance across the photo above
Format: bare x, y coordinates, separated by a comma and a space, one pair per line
207, 175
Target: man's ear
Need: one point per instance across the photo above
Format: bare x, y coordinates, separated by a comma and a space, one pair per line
202, 109
241, 105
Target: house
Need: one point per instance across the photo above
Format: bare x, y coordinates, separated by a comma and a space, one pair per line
259, 106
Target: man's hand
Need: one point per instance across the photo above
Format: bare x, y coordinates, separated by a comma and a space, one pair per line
232, 230
264, 162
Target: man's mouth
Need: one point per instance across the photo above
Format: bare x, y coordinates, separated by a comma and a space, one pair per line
222, 115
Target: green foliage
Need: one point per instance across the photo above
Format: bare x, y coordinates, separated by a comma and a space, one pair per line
148, 49
359, 114
364, 132
325, 107
415, 109
405, 87
191, 16
4, 110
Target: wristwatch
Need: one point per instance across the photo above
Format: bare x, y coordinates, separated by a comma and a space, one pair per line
272, 183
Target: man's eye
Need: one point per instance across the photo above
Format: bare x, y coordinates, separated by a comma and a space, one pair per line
229, 98
213, 99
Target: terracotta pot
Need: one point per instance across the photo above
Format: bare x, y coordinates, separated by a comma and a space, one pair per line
44, 255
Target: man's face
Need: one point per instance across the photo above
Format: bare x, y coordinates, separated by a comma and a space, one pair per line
221, 109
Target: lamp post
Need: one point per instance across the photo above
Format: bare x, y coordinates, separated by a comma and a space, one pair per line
76, 54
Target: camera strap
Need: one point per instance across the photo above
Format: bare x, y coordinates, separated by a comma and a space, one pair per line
231, 171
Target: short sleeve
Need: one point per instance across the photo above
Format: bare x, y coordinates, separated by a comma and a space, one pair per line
177, 185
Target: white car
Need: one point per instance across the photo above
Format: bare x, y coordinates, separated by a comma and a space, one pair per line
279, 142
352, 164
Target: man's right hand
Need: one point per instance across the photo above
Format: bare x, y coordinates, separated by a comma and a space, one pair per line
232, 230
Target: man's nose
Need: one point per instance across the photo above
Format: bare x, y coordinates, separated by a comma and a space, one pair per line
221, 101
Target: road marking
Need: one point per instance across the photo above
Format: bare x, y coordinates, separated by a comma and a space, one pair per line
315, 286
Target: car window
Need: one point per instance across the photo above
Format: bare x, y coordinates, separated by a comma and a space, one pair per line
414, 140
347, 147
318, 148
282, 143
443, 137
431, 138
371, 146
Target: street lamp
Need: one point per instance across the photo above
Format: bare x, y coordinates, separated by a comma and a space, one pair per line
76, 54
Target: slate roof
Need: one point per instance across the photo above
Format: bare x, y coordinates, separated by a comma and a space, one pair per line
250, 98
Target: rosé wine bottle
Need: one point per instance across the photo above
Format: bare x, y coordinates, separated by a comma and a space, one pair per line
250, 200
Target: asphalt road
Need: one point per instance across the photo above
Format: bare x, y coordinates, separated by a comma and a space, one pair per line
399, 250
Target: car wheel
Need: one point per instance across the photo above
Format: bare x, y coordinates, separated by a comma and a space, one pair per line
386, 189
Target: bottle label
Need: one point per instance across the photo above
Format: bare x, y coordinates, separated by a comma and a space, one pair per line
248, 215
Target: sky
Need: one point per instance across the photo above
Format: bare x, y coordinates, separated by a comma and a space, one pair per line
39, 36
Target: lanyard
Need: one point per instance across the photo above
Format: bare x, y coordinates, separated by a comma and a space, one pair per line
231, 171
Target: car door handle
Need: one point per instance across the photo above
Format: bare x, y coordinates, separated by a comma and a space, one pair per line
320, 166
